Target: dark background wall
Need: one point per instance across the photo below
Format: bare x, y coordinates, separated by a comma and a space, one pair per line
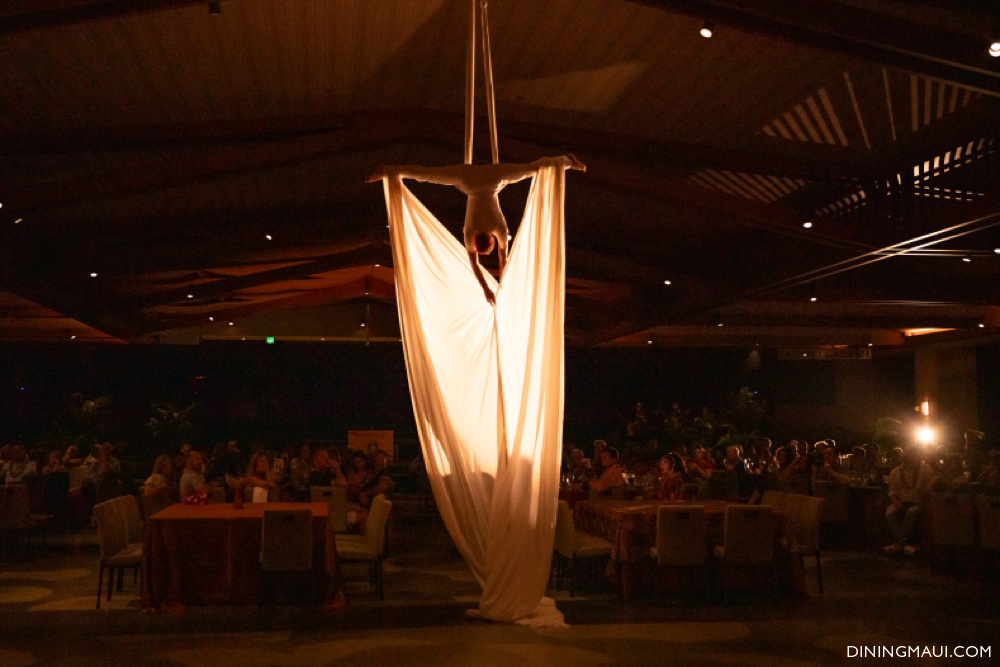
283, 393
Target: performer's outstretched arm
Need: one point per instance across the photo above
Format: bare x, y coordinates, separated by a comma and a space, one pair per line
451, 175
478, 270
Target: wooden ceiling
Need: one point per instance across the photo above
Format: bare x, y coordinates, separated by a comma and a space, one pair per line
210, 168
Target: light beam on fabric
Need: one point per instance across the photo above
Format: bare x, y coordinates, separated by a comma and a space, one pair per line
487, 389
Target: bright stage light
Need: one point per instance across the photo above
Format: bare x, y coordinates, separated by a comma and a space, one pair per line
925, 435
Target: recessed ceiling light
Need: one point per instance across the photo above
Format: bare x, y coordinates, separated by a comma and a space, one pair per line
813, 299
807, 225
322, 339
870, 344
18, 221
267, 236
719, 324
995, 49
377, 265
649, 342
93, 274
707, 29
667, 282
805, 354
996, 250
230, 324
72, 337
967, 258
244, 338
982, 325
190, 296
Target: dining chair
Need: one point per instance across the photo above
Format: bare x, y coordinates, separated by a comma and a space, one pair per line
681, 538
952, 523
16, 518
571, 544
748, 540
257, 494
805, 520
988, 509
116, 554
286, 545
335, 498
773, 498
368, 547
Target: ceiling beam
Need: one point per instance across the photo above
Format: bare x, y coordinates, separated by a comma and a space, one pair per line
21, 15
857, 32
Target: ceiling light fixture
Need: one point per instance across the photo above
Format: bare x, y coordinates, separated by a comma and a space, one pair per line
807, 225
211, 319
230, 324
995, 49
18, 221
812, 299
649, 342
996, 250
707, 29
967, 259
667, 282
93, 274
267, 236
982, 325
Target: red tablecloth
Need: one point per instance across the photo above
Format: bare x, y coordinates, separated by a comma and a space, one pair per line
195, 555
631, 528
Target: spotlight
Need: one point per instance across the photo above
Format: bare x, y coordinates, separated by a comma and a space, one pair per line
707, 29
667, 282
267, 236
72, 337
982, 325
649, 342
190, 296
925, 435
967, 259
812, 299
807, 225
230, 324
18, 221
995, 49
215, 7
93, 274
362, 324
211, 319
996, 250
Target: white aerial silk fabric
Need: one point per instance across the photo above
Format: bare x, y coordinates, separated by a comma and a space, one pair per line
487, 390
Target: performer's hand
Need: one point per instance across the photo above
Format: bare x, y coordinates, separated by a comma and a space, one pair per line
576, 164
490, 296
377, 175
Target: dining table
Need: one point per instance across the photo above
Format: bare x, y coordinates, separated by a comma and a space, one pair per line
630, 527
205, 555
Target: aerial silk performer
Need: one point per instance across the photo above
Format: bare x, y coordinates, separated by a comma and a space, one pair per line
486, 376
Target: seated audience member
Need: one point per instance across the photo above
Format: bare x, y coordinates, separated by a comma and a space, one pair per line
192, 485
612, 474
976, 460
379, 480
161, 475
104, 474
579, 467
259, 475
701, 466
19, 469
326, 471
829, 470
298, 473
735, 469
53, 463
357, 475
595, 463
670, 480
72, 458
909, 483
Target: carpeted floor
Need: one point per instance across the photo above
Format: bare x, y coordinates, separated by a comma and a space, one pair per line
47, 616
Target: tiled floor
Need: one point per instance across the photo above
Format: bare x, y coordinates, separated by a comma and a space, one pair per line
47, 616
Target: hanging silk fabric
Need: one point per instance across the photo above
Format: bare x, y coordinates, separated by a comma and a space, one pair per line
487, 381
487, 389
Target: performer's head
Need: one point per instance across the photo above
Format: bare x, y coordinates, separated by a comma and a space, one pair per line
484, 243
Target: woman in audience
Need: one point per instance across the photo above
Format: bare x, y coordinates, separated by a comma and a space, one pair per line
259, 475
829, 470
671, 479
326, 470
163, 473
53, 463
298, 473
612, 475
71, 458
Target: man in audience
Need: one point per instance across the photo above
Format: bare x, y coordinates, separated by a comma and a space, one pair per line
612, 474
19, 469
192, 482
909, 482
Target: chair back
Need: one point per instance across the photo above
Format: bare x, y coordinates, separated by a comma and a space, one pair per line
378, 519
335, 498
258, 494
217, 494
805, 521
989, 522
953, 520
111, 529
76, 476
15, 508
837, 498
791, 504
155, 500
565, 538
748, 534
690, 491
286, 541
681, 535
773, 498
128, 508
